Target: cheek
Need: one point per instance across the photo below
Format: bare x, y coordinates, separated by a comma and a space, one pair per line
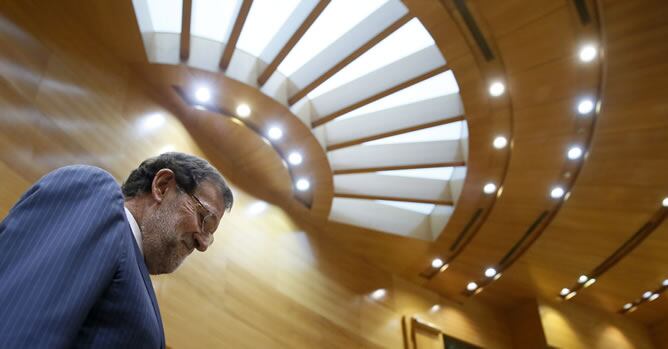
184, 224
180, 217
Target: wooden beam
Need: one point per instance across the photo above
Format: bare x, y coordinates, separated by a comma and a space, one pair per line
401, 167
379, 95
186, 15
292, 41
395, 132
392, 198
234, 35
351, 57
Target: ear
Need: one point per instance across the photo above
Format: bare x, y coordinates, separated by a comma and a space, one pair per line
163, 181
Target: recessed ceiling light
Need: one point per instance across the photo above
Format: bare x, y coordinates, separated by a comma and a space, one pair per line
489, 188
275, 133
303, 184
582, 279
256, 208
589, 282
203, 94
557, 192
472, 286
243, 110
490, 272
564, 292
571, 295
574, 152
627, 306
665, 282
435, 308
497, 88
665, 202
588, 53
152, 121
437, 263
653, 296
585, 106
500, 142
379, 294
295, 158
647, 294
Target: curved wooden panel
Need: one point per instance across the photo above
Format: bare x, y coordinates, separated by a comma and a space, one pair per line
486, 118
255, 166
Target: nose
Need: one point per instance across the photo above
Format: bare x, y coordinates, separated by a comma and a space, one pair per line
203, 241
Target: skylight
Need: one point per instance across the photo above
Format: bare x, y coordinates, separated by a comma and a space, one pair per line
164, 15
411, 206
439, 85
410, 38
442, 173
264, 20
212, 19
437, 133
338, 18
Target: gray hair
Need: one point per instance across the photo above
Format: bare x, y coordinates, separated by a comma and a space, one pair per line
189, 172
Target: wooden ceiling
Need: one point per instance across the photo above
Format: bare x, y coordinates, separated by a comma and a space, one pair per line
620, 186
535, 45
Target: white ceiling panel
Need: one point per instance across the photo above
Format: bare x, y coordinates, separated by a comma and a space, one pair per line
266, 17
392, 186
365, 156
457, 182
440, 173
394, 118
410, 38
213, 19
282, 35
437, 133
410, 206
160, 16
373, 215
379, 80
438, 219
355, 38
440, 85
337, 18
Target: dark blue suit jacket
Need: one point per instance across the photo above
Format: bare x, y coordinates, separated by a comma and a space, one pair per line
71, 273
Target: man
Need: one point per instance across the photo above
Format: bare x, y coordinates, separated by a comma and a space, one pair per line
76, 251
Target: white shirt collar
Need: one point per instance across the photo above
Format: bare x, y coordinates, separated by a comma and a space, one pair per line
136, 232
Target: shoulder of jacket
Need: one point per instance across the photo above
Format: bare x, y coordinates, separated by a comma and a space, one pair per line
82, 170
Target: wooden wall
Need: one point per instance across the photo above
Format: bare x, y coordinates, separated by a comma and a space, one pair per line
573, 326
659, 333
65, 99
526, 326
266, 284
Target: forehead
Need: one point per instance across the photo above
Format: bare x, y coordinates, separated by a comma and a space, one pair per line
211, 198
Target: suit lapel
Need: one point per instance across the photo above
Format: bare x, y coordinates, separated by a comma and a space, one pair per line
149, 288
147, 282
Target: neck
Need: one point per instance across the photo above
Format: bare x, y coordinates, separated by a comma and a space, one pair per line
136, 206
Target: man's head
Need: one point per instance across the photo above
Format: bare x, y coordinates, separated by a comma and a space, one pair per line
178, 201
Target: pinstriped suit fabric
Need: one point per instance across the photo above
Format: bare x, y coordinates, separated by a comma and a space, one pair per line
71, 274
